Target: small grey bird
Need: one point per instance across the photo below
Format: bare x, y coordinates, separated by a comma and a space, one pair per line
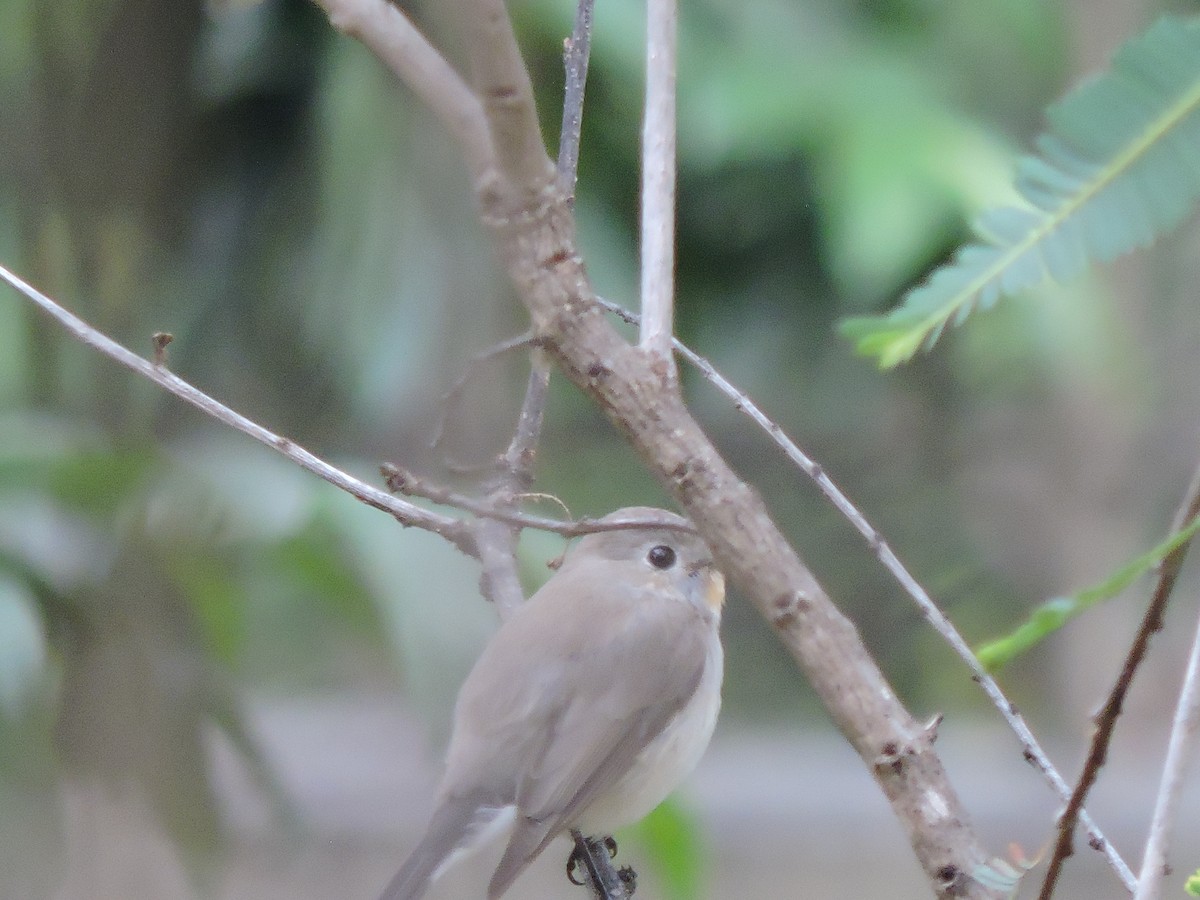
591, 703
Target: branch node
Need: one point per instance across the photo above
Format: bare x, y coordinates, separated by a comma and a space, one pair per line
930, 730
892, 757
161, 339
788, 608
397, 480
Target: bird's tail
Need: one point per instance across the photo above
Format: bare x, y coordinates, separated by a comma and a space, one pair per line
456, 825
529, 838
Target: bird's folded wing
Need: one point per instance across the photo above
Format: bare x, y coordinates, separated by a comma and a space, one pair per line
630, 692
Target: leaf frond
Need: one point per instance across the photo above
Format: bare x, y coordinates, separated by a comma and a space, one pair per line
1119, 167
1055, 613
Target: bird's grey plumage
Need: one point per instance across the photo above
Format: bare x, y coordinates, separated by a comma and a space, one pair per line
569, 694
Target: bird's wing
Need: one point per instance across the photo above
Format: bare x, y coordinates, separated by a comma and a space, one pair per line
632, 692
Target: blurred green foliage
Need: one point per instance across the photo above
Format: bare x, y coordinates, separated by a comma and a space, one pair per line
671, 843
1192, 885
237, 174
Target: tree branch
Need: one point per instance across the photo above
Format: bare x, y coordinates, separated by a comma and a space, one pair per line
402, 481
496, 540
502, 82
405, 513
397, 42
1106, 719
658, 180
1032, 750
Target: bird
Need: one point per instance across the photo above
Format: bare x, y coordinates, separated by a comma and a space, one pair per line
589, 705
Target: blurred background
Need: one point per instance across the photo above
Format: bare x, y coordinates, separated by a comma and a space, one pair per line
219, 677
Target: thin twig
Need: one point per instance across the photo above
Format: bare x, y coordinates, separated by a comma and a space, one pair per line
1031, 749
658, 180
606, 881
497, 540
450, 397
1184, 726
405, 482
576, 53
392, 36
1106, 719
406, 513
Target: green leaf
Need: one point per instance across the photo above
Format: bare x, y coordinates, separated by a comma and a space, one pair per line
674, 847
1053, 614
1192, 885
1119, 166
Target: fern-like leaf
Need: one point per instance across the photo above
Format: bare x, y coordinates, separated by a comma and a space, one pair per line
1119, 166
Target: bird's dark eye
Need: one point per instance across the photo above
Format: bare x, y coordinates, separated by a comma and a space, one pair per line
661, 557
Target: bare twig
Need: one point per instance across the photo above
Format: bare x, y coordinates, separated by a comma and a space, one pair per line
1166, 806
1106, 718
392, 36
576, 53
658, 181
450, 397
406, 513
496, 539
1031, 749
404, 482
499, 580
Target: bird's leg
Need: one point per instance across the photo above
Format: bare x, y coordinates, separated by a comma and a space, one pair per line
594, 856
577, 857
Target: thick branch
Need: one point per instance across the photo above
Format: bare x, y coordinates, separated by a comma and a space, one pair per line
502, 81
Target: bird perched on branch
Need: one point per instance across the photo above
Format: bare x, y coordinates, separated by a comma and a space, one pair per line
592, 702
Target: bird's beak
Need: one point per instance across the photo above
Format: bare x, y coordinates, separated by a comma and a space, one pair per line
714, 588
